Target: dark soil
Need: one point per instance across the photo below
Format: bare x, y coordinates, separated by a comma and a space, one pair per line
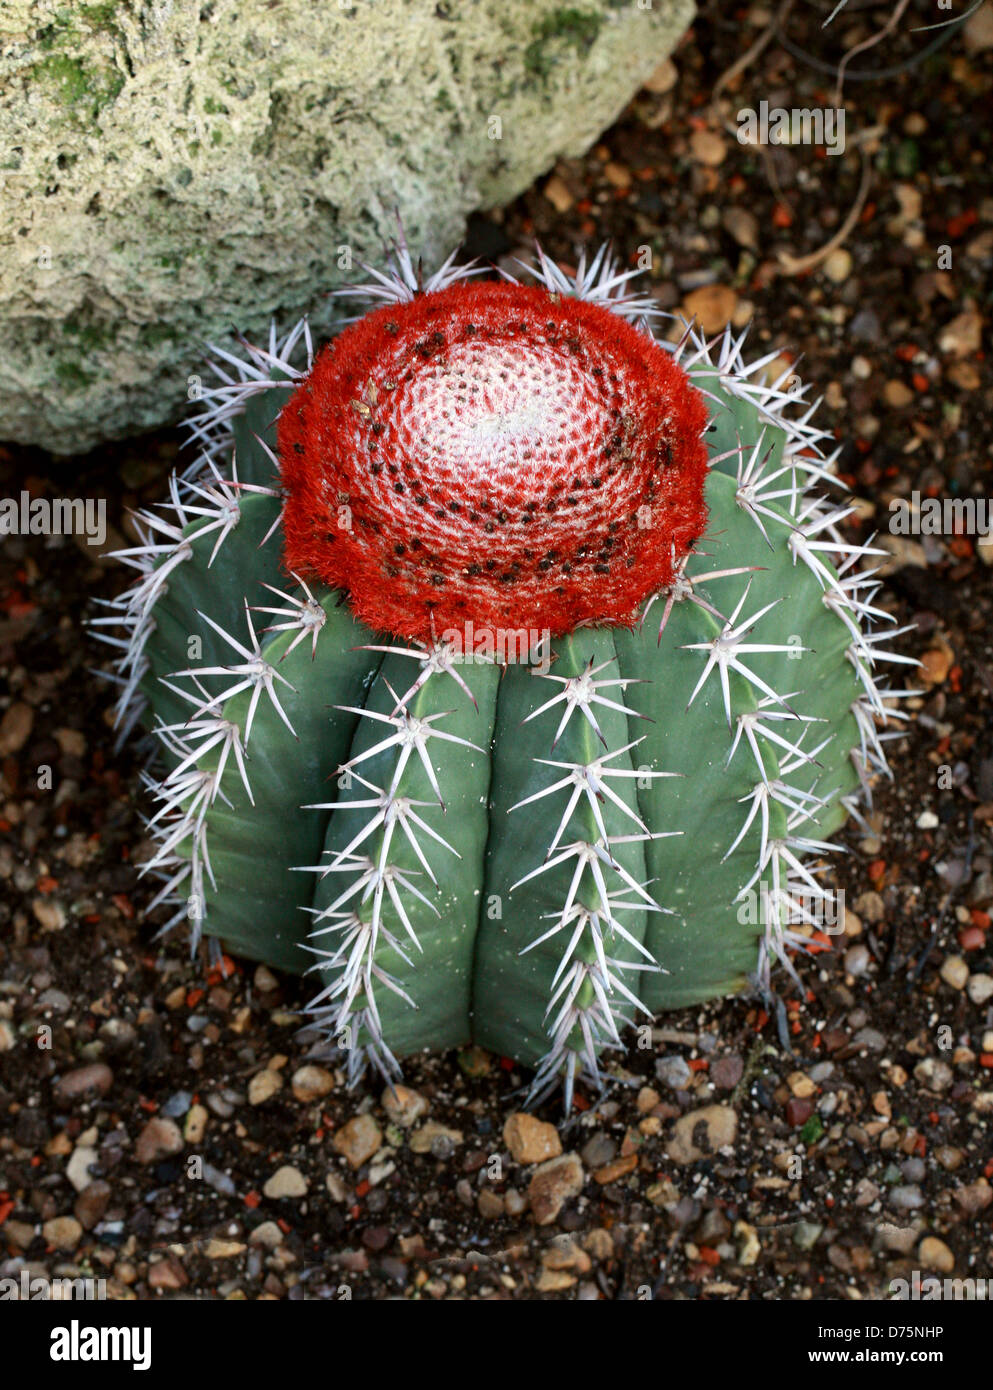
890, 1116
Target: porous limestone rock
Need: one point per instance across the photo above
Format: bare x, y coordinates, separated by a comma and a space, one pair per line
174, 170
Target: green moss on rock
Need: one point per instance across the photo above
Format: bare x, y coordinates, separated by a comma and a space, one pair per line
577, 29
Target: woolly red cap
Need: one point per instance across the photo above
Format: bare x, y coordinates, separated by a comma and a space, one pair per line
492, 453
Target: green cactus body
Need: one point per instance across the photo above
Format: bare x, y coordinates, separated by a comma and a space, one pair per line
522, 854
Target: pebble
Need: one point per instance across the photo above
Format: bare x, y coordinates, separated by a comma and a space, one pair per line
663, 79
403, 1105
515, 1202
598, 1150
78, 1167
553, 1280
974, 1197
702, 1133
338, 1190
530, 1140
217, 1249
963, 335
49, 914
557, 192
15, 728
220, 1182
553, 1184
177, 1104
927, 820
562, 1252
159, 1139
435, 1138
954, 972
711, 305
866, 1193
287, 1181
870, 907
617, 174
865, 328
55, 1000
309, 1083
97, 1078
71, 741
196, 1124
707, 147
264, 980
935, 665
490, 1204
748, 1243
857, 960
647, 1100
267, 1233
935, 1254
63, 1232
897, 394
599, 1243
906, 1197
838, 265
900, 1239
91, 1204
381, 1170
798, 1111
980, 988
742, 226
358, 1140
978, 30
801, 1085
475, 1061
222, 1104
167, 1273
726, 1072
964, 375
673, 1072
806, 1234
619, 1168
263, 1086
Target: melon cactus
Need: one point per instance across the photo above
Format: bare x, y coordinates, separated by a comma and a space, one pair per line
507, 665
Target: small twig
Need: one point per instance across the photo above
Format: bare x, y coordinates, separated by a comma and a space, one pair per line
948, 30
796, 265
944, 23
751, 53
868, 43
